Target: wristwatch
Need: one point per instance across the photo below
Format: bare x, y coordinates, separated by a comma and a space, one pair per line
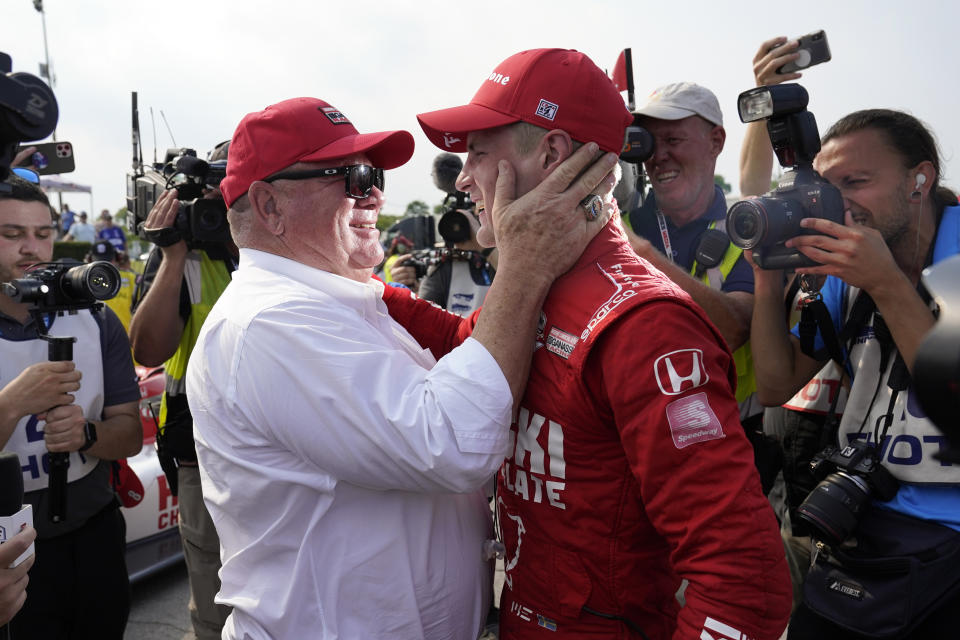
90, 433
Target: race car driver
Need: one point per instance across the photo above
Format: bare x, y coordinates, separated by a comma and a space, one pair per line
629, 469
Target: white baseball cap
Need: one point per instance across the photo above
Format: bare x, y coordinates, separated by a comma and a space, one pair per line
681, 100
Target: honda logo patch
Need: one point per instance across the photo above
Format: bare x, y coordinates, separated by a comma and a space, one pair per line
680, 371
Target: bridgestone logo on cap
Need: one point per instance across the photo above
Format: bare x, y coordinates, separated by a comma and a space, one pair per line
547, 109
335, 116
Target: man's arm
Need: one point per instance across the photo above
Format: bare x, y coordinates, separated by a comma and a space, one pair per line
859, 256
156, 326
756, 153
780, 366
694, 469
730, 311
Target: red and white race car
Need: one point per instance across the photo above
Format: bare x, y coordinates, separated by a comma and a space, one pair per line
150, 509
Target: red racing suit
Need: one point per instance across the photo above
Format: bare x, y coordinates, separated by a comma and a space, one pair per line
629, 468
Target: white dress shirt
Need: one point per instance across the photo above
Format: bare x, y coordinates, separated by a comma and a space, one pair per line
341, 463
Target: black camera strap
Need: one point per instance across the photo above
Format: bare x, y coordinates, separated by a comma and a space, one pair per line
814, 315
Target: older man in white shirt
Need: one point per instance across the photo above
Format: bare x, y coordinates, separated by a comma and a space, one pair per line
348, 507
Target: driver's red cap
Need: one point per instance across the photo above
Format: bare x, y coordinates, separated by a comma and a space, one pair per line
551, 88
302, 130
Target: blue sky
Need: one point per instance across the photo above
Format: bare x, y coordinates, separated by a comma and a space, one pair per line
206, 63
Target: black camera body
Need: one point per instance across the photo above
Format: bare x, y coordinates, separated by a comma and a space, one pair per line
65, 286
28, 111
423, 259
849, 478
765, 223
199, 221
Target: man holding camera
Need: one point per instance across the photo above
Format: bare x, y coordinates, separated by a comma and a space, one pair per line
86, 408
898, 219
611, 493
180, 285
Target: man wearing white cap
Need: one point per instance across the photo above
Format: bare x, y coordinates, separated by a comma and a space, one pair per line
344, 508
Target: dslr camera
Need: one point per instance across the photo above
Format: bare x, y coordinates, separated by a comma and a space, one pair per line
65, 286
849, 478
765, 223
199, 220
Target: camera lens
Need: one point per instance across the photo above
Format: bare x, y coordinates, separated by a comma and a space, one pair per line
833, 508
94, 281
747, 223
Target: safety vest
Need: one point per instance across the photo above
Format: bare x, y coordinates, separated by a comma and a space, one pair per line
122, 302
206, 279
742, 357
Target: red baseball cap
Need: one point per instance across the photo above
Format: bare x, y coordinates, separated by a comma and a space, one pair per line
302, 130
551, 88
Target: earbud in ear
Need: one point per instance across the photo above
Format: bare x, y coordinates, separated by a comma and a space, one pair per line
921, 180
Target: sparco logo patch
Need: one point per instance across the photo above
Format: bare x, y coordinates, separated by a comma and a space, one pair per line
561, 343
716, 630
692, 420
679, 371
334, 116
849, 589
547, 109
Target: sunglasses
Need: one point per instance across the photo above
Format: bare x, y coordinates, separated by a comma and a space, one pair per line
27, 174
358, 179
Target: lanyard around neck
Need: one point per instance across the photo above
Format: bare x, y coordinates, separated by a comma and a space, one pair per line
665, 235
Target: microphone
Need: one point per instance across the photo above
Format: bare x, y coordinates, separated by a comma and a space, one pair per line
14, 515
446, 168
192, 166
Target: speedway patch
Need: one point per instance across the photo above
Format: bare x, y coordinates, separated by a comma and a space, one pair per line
692, 420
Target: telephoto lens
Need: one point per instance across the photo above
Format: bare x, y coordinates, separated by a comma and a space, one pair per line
834, 507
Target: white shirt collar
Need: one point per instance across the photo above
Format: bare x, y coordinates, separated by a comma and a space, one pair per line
358, 295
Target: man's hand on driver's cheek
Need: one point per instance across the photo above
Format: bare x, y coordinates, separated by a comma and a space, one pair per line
548, 220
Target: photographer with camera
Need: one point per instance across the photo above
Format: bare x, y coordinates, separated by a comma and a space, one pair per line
460, 273
182, 280
87, 408
798, 425
898, 579
457, 276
